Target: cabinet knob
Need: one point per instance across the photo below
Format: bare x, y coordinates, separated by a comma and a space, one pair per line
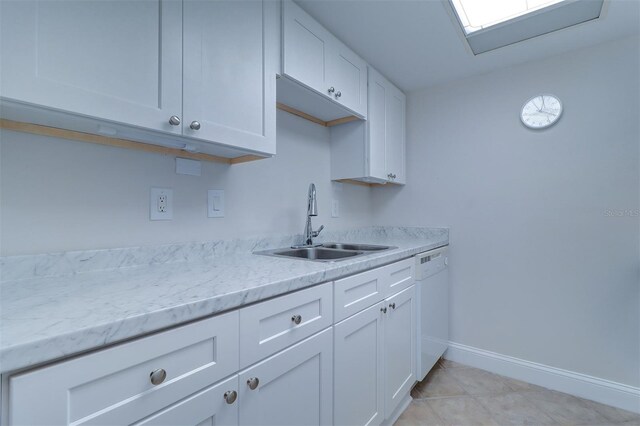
331, 89
338, 94
253, 383
393, 175
297, 319
230, 396
195, 125
383, 310
158, 376
392, 305
174, 120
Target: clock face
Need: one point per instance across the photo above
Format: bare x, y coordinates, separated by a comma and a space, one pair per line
541, 111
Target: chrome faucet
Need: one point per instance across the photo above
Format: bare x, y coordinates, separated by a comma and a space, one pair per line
312, 210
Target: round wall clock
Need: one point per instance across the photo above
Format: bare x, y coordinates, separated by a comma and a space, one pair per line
541, 111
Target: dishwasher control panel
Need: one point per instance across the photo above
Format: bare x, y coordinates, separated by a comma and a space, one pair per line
431, 262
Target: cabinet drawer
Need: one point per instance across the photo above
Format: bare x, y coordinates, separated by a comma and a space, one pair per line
357, 292
268, 327
398, 276
113, 386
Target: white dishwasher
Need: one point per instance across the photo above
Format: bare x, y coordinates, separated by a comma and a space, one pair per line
432, 283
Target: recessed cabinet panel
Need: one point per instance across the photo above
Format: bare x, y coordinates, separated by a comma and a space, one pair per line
399, 345
128, 382
269, 326
377, 129
116, 60
347, 73
229, 69
293, 387
206, 408
305, 48
359, 368
395, 137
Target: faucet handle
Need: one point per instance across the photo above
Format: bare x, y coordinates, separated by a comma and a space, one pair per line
316, 233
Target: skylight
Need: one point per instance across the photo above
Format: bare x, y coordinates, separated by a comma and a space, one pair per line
491, 24
478, 14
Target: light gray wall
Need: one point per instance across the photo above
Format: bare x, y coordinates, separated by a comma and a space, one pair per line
539, 271
59, 195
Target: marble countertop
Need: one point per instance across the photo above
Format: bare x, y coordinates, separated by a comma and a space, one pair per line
44, 316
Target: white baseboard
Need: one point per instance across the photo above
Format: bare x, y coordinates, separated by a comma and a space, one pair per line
581, 385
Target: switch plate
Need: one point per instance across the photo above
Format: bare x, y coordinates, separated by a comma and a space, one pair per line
335, 208
161, 204
215, 203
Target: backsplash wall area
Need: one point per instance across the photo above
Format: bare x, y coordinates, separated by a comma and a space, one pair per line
60, 195
544, 257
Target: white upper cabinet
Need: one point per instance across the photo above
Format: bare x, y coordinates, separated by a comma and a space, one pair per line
305, 48
201, 70
316, 59
116, 60
347, 74
373, 151
229, 73
394, 141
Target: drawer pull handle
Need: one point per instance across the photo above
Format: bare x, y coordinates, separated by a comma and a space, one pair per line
392, 305
158, 376
297, 319
383, 310
253, 383
230, 396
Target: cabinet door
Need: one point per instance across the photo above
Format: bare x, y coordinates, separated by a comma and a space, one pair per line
395, 135
376, 125
358, 369
215, 405
293, 387
347, 73
399, 347
118, 60
305, 48
230, 73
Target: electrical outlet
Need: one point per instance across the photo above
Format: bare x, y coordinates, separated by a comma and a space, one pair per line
161, 204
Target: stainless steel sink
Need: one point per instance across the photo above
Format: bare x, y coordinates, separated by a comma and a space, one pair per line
317, 253
329, 252
362, 247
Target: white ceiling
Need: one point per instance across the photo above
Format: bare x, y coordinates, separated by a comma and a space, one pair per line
418, 43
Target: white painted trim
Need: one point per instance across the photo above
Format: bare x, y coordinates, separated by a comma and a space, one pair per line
581, 385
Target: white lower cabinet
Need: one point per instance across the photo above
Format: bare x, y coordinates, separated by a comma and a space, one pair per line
375, 360
215, 405
293, 387
399, 347
223, 370
359, 369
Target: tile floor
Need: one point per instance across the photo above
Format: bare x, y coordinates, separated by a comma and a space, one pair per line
454, 394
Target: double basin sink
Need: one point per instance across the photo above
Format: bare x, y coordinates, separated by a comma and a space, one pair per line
328, 252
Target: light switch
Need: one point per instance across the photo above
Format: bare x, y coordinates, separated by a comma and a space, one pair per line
215, 203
